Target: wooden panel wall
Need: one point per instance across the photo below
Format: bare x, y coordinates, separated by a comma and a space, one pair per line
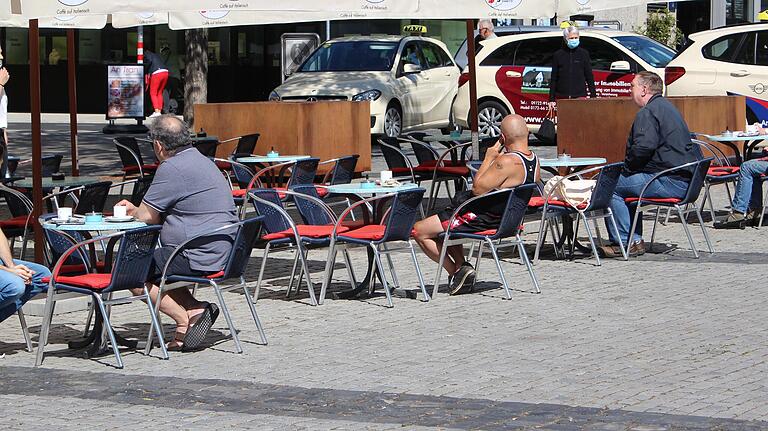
600, 127
321, 129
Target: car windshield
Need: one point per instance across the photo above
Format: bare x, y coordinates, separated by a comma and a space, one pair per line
654, 53
357, 56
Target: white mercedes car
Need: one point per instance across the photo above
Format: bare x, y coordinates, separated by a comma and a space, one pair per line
410, 81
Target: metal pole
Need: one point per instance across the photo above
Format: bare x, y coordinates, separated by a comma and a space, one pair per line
328, 30
37, 151
72, 77
472, 88
140, 45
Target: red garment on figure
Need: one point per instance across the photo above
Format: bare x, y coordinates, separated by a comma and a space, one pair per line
157, 83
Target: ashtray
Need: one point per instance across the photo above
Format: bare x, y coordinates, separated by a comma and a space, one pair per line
273, 154
368, 185
58, 176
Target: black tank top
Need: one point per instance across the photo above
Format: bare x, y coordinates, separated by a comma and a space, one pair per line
494, 206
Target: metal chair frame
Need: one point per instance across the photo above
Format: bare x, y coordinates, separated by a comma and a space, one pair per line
592, 211
689, 201
101, 297
167, 278
721, 159
137, 157
378, 247
491, 240
29, 208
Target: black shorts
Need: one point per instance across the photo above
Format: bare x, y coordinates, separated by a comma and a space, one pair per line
179, 265
470, 221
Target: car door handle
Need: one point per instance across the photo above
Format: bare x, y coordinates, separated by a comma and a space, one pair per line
740, 73
513, 74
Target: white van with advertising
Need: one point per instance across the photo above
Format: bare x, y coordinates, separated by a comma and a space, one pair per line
513, 72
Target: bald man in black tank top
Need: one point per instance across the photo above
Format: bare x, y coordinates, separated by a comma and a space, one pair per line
509, 163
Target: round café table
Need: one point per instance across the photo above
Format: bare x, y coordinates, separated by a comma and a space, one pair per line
356, 192
97, 346
749, 142
269, 159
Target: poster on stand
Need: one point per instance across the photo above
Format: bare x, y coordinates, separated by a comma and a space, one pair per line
125, 91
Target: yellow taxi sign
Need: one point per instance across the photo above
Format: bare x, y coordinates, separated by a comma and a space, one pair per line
415, 29
763, 16
566, 24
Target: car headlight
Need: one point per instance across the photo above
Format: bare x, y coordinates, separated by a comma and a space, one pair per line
370, 95
274, 97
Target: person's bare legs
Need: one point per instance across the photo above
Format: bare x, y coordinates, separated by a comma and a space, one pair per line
427, 231
179, 305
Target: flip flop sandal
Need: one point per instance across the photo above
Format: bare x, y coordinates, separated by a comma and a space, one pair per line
198, 330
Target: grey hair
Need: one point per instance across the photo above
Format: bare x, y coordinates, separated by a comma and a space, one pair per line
485, 21
170, 132
568, 30
651, 80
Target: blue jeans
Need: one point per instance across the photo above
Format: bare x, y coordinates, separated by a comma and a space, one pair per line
749, 193
631, 186
14, 293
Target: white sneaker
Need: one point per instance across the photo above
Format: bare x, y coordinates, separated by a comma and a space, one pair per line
155, 114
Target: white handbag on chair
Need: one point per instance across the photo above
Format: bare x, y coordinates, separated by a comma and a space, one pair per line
573, 192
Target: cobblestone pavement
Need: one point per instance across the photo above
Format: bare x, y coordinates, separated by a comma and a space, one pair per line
663, 341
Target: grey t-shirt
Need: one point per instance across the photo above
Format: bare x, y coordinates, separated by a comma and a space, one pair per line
193, 197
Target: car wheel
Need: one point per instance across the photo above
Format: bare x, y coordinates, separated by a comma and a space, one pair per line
489, 118
393, 121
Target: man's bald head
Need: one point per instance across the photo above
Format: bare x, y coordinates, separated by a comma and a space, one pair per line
514, 129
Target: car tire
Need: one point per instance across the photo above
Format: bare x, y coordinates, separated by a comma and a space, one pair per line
489, 116
393, 121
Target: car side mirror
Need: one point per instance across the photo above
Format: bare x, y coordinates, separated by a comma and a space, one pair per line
411, 68
620, 66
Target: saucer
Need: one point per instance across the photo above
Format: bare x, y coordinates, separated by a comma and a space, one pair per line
72, 221
114, 219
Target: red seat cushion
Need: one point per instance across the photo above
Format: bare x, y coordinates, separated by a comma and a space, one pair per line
433, 163
489, 232
15, 222
222, 165
719, 171
309, 231
216, 275
371, 232
135, 169
400, 171
79, 268
321, 191
88, 281
239, 193
454, 170
655, 200
538, 201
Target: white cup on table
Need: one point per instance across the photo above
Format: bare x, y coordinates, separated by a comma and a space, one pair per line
386, 176
64, 213
120, 211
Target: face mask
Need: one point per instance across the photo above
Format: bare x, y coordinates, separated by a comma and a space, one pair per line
573, 43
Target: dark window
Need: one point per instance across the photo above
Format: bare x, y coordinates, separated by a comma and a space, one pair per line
746, 54
502, 56
603, 53
722, 49
412, 55
762, 48
351, 56
537, 52
434, 55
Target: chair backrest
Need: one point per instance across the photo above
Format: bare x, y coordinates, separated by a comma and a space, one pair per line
207, 147
517, 204
304, 172
424, 152
402, 215
247, 145
697, 181
474, 166
719, 157
273, 220
393, 156
140, 188
51, 164
605, 185
242, 247
243, 174
133, 258
311, 212
93, 197
18, 204
3, 159
60, 241
344, 169
129, 151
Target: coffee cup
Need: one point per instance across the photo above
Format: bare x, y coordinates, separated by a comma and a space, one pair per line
64, 213
752, 129
120, 211
386, 176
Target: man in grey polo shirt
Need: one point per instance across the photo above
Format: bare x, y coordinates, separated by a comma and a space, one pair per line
188, 196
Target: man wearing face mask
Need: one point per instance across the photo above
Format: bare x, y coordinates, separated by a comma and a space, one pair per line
571, 70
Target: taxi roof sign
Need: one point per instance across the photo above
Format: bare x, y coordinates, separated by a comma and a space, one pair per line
415, 29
